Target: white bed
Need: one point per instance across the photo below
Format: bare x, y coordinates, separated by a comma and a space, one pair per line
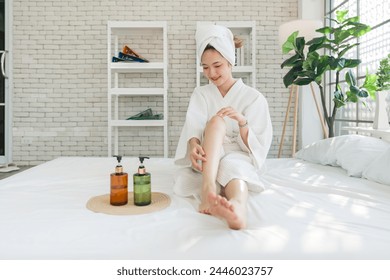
308, 211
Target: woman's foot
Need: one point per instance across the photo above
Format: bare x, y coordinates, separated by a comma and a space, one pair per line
222, 208
204, 206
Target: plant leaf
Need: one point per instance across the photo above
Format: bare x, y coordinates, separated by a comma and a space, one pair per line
351, 63
311, 61
329, 47
362, 93
352, 19
351, 98
359, 29
316, 43
303, 81
340, 35
350, 78
289, 78
333, 62
307, 74
340, 63
370, 84
318, 79
322, 65
289, 45
340, 15
348, 47
354, 89
300, 45
383, 74
338, 99
295, 60
325, 30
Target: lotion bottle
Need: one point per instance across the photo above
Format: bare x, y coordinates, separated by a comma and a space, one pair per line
118, 187
142, 185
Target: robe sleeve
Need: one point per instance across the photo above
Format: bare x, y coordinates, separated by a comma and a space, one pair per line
260, 131
194, 125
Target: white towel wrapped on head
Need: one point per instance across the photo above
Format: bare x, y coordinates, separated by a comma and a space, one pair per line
220, 37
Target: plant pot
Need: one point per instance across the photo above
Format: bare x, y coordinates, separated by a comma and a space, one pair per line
381, 120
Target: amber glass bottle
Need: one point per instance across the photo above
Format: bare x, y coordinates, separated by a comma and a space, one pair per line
118, 190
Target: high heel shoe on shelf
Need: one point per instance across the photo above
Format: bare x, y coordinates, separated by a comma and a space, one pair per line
128, 55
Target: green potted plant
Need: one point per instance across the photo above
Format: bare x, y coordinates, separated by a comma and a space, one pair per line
311, 65
383, 74
381, 120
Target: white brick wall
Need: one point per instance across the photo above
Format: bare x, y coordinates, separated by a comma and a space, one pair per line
60, 73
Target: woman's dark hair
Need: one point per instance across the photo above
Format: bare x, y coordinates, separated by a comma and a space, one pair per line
238, 43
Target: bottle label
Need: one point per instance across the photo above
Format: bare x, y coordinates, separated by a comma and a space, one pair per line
142, 198
118, 193
142, 190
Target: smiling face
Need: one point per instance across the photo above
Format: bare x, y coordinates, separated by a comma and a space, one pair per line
217, 69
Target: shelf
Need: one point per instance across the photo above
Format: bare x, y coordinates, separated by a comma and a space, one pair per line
124, 67
137, 122
137, 91
137, 79
123, 27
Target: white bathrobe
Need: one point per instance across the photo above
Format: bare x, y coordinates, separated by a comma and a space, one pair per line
237, 161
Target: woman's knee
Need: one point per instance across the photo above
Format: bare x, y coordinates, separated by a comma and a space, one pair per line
236, 181
216, 122
237, 184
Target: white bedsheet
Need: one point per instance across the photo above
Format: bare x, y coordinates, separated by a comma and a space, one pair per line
308, 211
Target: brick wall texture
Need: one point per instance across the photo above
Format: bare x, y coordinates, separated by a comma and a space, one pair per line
60, 71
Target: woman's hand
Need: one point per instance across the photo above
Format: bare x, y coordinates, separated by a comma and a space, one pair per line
241, 120
233, 114
196, 153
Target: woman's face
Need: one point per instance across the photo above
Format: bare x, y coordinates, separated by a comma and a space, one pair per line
216, 68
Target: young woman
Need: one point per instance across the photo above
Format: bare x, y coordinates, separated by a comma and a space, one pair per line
227, 132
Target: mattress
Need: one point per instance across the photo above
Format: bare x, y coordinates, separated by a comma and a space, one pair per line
307, 211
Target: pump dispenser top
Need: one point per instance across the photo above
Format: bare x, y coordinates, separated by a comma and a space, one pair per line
119, 167
141, 167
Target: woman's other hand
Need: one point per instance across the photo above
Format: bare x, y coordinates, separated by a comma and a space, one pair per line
233, 114
196, 153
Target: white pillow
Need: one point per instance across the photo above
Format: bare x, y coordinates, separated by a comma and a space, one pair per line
325, 151
352, 152
355, 157
379, 169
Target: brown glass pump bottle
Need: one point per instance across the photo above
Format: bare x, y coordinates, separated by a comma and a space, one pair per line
118, 190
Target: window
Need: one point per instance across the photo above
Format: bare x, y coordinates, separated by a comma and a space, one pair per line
374, 46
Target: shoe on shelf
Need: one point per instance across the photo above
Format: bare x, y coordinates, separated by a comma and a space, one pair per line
146, 115
131, 52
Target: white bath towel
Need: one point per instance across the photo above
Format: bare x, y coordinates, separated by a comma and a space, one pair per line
220, 37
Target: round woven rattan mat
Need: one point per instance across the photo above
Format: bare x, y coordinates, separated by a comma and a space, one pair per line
101, 204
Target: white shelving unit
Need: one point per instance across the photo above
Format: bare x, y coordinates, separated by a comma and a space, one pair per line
128, 80
245, 67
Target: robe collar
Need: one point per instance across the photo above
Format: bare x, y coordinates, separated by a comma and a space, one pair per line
235, 88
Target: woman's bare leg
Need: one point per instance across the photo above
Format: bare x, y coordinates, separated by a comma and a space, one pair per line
213, 139
233, 208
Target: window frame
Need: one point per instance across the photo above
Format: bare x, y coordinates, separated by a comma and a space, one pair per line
356, 110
